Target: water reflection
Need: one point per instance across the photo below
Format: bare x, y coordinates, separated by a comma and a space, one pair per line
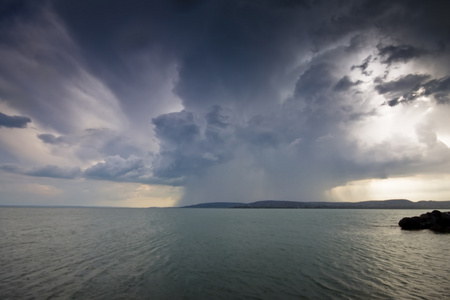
218, 253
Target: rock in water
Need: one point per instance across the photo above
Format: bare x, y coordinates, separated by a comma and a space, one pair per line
410, 223
435, 220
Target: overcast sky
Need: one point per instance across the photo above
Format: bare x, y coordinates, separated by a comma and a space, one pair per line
172, 102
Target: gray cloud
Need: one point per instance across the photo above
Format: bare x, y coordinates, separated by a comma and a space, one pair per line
226, 66
93, 143
363, 67
130, 169
439, 88
216, 118
50, 171
402, 84
34, 44
55, 172
345, 84
177, 129
13, 121
412, 86
188, 149
314, 82
50, 138
113, 168
116, 168
400, 53
394, 102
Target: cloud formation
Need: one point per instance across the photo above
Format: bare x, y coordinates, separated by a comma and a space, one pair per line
400, 53
50, 171
13, 121
230, 100
188, 149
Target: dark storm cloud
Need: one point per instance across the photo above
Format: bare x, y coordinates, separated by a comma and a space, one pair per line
402, 84
123, 43
10, 9
185, 147
438, 88
394, 102
177, 129
258, 134
412, 86
218, 46
400, 53
13, 121
346, 18
227, 68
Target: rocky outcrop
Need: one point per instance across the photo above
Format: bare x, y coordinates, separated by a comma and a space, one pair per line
435, 220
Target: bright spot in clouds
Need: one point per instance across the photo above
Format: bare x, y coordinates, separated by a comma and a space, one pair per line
444, 139
415, 188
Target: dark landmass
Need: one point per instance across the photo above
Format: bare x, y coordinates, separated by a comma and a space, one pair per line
435, 220
216, 205
386, 204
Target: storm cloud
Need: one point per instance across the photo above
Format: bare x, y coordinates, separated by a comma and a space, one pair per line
229, 100
13, 121
400, 53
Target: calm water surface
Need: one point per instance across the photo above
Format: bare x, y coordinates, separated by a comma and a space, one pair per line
107, 253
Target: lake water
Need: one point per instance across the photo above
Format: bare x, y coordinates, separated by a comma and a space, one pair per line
118, 253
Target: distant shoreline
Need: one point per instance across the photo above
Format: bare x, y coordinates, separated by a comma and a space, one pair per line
277, 204
382, 204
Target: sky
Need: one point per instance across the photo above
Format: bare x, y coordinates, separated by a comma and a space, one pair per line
177, 102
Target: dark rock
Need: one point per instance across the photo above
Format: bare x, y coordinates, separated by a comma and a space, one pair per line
436, 221
410, 224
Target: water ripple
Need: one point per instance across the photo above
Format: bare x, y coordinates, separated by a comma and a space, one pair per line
62, 253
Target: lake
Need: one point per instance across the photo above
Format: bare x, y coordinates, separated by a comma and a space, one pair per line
125, 253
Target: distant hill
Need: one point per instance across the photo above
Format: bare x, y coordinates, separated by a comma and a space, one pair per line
215, 205
385, 204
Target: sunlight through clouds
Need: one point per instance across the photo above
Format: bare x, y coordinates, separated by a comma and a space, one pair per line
415, 188
140, 195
